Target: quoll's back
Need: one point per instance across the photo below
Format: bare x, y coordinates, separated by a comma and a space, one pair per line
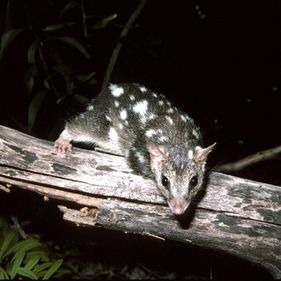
159, 140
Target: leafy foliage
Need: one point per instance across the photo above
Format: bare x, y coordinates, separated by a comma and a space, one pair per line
25, 257
53, 53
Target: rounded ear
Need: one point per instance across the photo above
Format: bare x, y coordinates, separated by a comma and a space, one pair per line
156, 150
202, 153
157, 155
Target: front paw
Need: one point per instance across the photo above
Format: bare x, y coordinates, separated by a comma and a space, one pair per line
62, 146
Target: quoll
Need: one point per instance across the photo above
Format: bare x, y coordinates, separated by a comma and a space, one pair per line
159, 140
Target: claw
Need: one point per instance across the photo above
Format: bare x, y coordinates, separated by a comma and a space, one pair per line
62, 146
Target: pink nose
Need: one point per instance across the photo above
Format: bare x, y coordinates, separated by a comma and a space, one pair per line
178, 206
178, 211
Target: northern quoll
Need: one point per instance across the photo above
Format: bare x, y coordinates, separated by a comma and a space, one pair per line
158, 140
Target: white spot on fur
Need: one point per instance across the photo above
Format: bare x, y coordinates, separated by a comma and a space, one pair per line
123, 114
90, 107
141, 107
132, 98
190, 154
113, 135
66, 135
189, 119
182, 166
169, 119
195, 133
107, 118
120, 126
171, 110
151, 116
154, 95
183, 118
82, 115
140, 157
116, 103
161, 102
143, 89
116, 91
149, 133
163, 138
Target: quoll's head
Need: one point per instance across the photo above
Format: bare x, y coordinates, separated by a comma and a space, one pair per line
179, 172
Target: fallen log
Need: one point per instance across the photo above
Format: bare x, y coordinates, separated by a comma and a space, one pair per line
237, 216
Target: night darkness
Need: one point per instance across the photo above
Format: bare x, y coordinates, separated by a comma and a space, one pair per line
219, 61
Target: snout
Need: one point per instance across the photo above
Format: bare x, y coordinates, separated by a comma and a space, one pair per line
178, 205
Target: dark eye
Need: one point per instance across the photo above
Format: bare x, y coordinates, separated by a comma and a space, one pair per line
193, 182
165, 181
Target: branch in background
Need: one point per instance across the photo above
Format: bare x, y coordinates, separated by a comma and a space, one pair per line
118, 46
250, 160
84, 18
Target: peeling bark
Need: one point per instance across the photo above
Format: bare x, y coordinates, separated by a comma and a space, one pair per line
238, 216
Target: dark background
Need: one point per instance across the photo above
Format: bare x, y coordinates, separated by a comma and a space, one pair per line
217, 60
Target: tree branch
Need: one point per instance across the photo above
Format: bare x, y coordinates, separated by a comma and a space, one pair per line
236, 216
249, 160
118, 46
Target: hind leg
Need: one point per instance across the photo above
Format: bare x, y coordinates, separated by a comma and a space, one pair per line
82, 128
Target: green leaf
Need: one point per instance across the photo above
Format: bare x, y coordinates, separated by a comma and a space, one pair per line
54, 267
81, 99
87, 77
34, 107
59, 26
27, 273
61, 272
47, 83
7, 39
32, 261
16, 263
29, 79
72, 4
53, 27
59, 100
10, 236
104, 22
3, 274
72, 42
39, 269
31, 53
43, 254
25, 246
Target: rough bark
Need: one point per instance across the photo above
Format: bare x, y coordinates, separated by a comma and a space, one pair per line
238, 216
